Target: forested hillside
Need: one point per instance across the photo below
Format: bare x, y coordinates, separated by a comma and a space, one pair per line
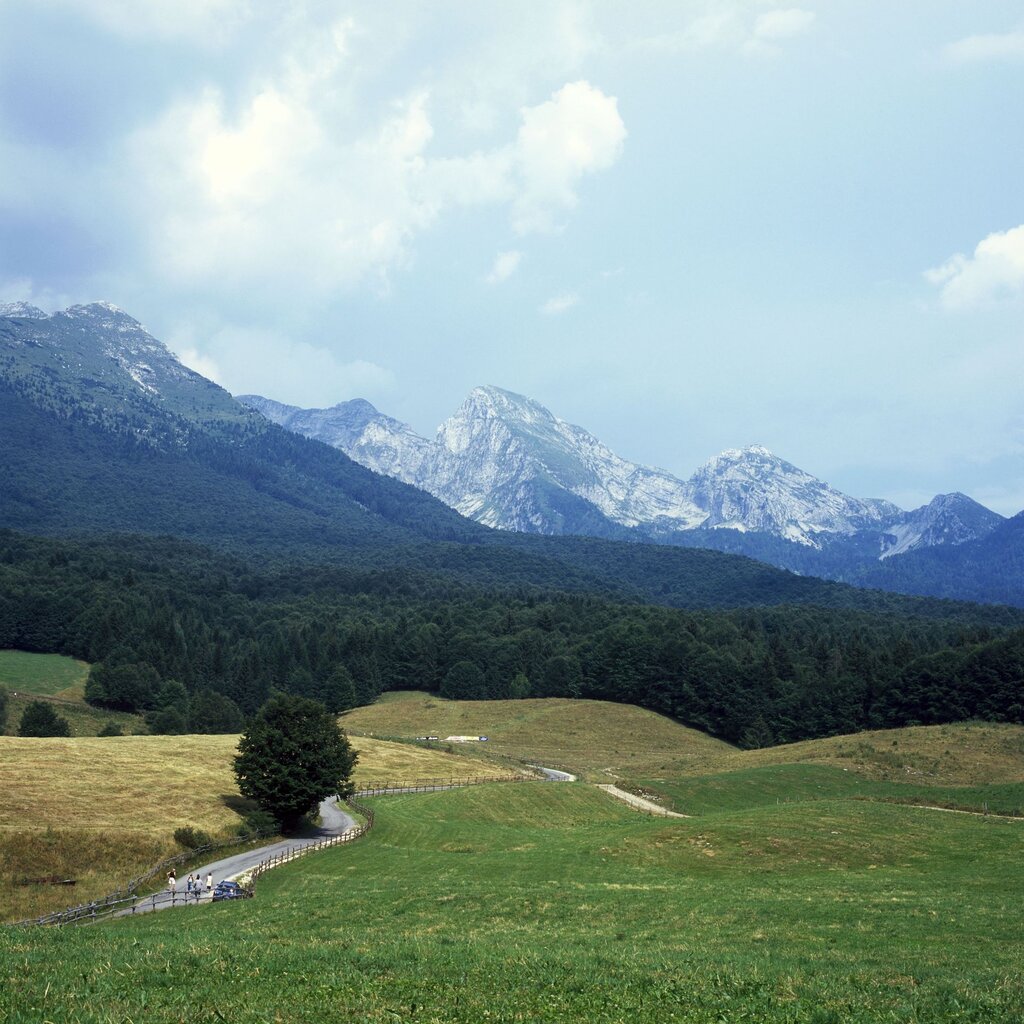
153, 613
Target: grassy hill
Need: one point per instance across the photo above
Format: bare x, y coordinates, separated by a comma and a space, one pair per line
101, 810
959, 754
48, 674
61, 682
555, 903
596, 739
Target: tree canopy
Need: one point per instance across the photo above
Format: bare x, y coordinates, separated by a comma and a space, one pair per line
39, 719
292, 756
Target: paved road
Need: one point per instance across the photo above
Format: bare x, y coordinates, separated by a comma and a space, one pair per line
334, 821
553, 774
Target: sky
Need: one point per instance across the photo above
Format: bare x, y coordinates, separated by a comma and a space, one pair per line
685, 226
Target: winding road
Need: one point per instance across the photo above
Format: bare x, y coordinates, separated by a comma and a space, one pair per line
333, 820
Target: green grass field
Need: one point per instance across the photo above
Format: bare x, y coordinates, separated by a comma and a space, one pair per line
28, 677
798, 783
801, 893
555, 903
42, 674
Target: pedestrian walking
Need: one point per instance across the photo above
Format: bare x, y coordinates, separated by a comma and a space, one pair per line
209, 882
189, 882
172, 882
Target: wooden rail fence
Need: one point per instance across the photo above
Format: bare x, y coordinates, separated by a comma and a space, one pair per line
107, 905
119, 901
433, 785
248, 879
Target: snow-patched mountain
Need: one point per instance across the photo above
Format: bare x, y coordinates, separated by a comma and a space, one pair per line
507, 461
946, 519
378, 442
103, 363
751, 489
24, 310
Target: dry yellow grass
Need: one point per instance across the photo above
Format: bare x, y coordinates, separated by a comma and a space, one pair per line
596, 739
158, 783
380, 761
124, 782
959, 754
103, 810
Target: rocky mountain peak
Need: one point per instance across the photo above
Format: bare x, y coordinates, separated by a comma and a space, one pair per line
753, 489
946, 519
102, 314
25, 310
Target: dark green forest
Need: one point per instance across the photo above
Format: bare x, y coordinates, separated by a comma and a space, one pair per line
163, 620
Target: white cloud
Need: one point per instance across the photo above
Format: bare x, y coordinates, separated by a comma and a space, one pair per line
258, 361
202, 364
560, 303
773, 27
719, 28
505, 265
24, 289
783, 23
576, 132
987, 47
293, 190
994, 272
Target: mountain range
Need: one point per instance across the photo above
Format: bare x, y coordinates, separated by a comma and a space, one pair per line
103, 430
508, 462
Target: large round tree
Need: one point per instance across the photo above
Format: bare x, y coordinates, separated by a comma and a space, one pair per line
293, 756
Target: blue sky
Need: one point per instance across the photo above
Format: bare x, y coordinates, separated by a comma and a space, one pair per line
685, 226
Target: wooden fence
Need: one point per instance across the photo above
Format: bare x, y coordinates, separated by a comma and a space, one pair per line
109, 904
127, 900
433, 785
248, 879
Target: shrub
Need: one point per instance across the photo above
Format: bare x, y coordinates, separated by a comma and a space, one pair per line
39, 719
110, 729
258, 821
191, 838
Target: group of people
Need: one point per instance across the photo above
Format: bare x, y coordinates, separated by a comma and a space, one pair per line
193, 884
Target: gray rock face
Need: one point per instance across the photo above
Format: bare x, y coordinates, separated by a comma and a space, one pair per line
372, 439
946, 519
750, 489
508, 462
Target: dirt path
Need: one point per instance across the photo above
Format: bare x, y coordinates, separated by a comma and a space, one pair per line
647, 806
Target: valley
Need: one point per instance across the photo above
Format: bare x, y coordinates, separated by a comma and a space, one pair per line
802, 900
850, 761
527, 498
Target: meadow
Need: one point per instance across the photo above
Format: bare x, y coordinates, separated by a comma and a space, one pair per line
50, 675
597, 740
60, 681
807, 889
103, 810
554, 902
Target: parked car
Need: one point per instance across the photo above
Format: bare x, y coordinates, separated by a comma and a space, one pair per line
229, 891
